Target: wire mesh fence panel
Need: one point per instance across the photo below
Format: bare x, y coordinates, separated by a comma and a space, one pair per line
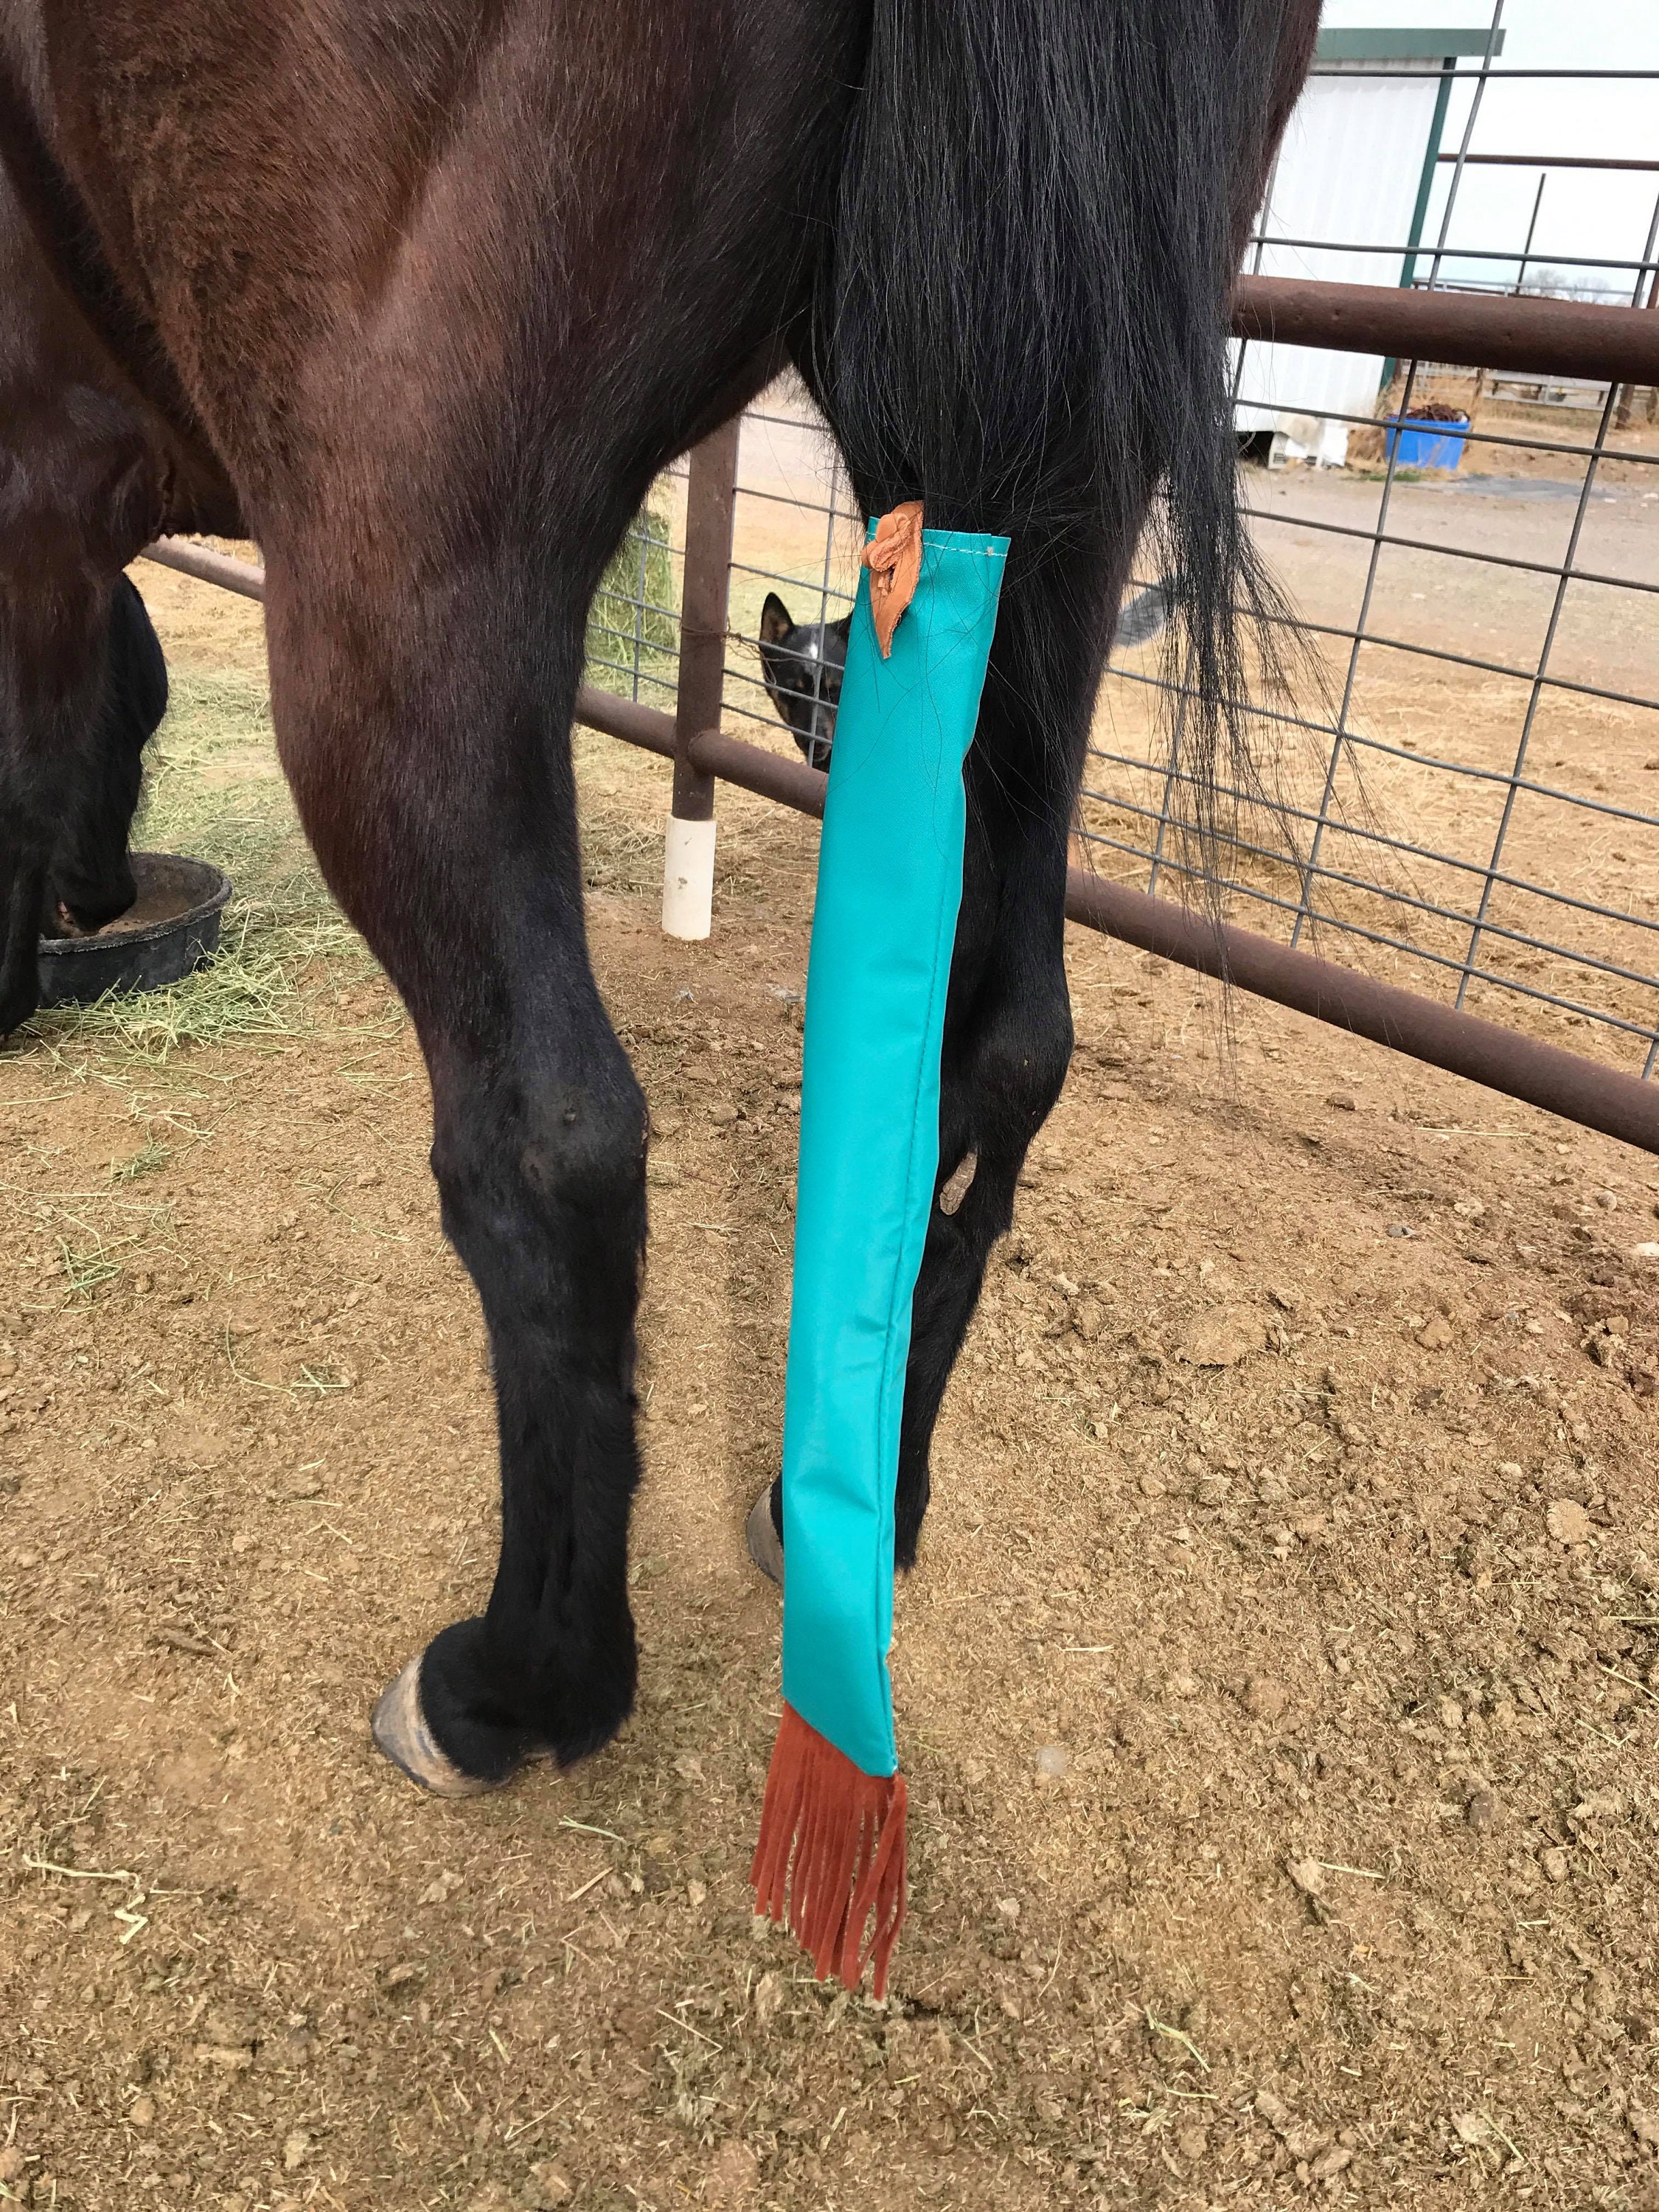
1470, 776
634, 623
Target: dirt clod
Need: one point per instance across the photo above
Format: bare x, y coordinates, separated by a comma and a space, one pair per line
733, 2175
1599, 1805
1273, 2108
769, 1997
1266, 1697
228, 2058
1481, 1809
1567, 1522
1222, 1338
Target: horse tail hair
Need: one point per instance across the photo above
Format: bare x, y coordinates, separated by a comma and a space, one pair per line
1021, 317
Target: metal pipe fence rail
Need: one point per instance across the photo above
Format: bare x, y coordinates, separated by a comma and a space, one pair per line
1476, 837
1473, 330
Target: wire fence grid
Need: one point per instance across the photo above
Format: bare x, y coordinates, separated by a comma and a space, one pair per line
1473, 783
634, 623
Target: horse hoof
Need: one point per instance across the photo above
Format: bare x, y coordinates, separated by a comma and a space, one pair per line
400, 1728
765, 1545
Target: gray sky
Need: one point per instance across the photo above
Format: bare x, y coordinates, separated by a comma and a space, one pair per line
1583, 212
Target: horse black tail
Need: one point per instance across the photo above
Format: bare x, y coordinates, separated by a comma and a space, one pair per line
1021, 319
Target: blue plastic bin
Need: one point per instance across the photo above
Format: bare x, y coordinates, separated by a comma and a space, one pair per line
1426, 445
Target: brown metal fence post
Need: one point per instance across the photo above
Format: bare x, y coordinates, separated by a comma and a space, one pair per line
688, 879
1627, 396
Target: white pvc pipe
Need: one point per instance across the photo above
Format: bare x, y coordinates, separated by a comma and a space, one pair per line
688, 879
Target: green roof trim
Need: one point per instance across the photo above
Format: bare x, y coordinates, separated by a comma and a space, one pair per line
1425, 44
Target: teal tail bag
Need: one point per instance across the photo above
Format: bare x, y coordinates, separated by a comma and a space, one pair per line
830, 1857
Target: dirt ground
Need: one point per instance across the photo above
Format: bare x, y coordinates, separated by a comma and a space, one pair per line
1277, 1688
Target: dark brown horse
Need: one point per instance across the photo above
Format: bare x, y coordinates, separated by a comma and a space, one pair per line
421, 295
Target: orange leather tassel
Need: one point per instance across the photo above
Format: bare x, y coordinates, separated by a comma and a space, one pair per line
830, 1858
893, 556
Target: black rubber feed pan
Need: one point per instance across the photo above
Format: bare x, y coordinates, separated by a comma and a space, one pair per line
170, 929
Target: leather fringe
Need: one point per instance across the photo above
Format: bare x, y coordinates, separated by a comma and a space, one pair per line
831, 1859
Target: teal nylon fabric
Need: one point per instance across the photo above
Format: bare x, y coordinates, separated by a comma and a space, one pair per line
890, 884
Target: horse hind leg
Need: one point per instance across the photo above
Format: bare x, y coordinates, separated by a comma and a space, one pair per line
1008, 1030
1008, 1023
1007, 1046
432, 768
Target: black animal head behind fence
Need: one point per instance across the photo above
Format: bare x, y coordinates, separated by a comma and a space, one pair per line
803, 664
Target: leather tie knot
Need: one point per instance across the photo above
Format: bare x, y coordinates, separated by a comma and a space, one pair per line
893, 556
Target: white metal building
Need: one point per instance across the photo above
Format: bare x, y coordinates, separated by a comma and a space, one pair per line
1355, 169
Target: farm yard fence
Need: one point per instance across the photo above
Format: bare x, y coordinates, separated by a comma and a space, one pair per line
1477, 837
